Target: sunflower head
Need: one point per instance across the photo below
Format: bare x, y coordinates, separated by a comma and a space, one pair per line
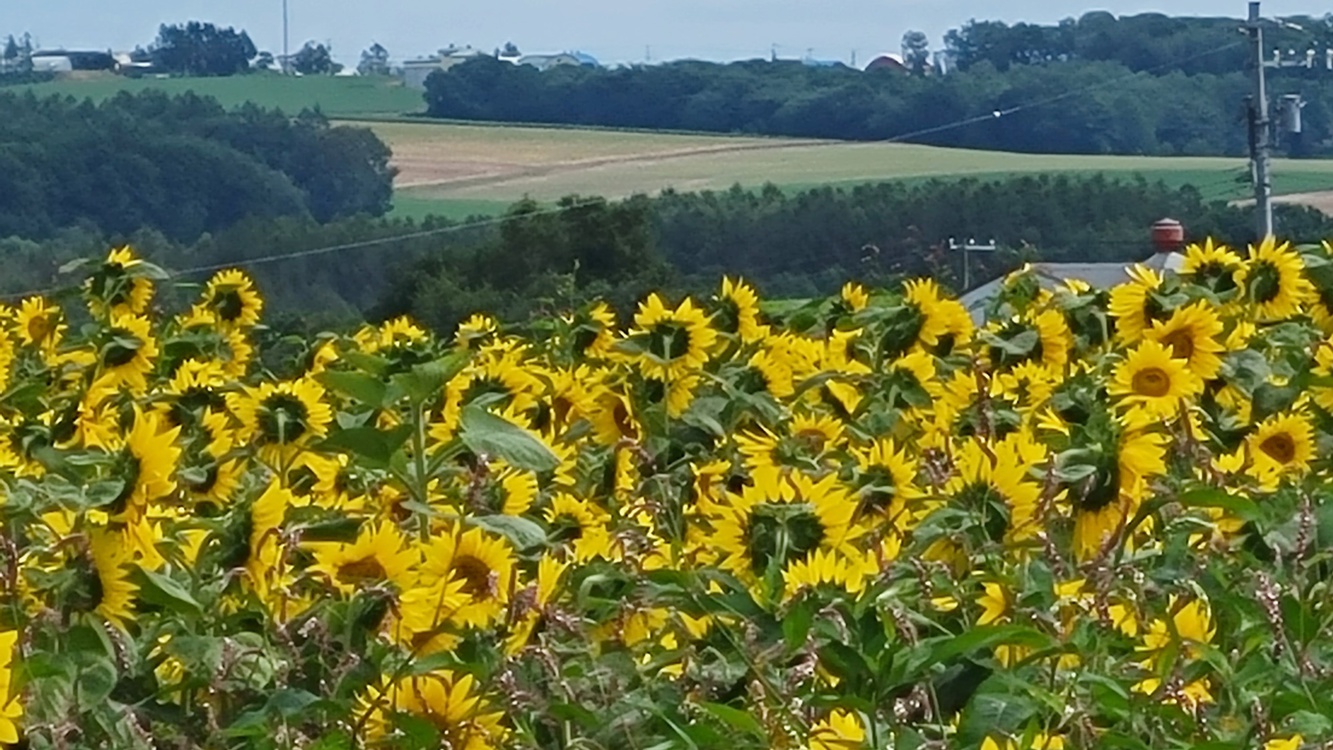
122, 284
738, 311
233, 300
1211, 266
1272, 280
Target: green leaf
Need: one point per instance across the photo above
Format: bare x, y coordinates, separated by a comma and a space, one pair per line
370, 443
164, 592
796, 625
1243, 508
988, 636
486, 433
993, 712
426, 380
363, 388
366, 362
734, 718
523, 533
95, 683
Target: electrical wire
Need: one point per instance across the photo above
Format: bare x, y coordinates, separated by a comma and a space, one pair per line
314, 252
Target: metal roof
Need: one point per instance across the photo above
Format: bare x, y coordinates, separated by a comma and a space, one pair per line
1051, 275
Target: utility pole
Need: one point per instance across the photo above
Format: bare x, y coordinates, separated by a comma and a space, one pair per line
967, 248
1261, 131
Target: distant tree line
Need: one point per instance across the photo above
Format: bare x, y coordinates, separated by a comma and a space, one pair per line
1103, 95
182, 166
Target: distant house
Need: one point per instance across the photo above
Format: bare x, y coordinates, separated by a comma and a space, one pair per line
415, 72
893, 61
66, 61
547, 62
1052, 275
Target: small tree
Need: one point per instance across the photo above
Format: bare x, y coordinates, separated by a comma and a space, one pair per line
510, 50
916, 52
374, 61
11, 48
315, 60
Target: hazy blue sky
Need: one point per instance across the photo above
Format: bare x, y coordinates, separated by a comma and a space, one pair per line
613, 30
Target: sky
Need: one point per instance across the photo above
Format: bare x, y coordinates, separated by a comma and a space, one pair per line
611, 30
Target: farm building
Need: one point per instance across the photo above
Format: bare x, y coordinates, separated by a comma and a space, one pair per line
66, 61
415, 72
1098, 275
546, 62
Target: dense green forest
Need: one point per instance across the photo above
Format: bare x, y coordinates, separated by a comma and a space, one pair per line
789, 245
183, 166
1098, 85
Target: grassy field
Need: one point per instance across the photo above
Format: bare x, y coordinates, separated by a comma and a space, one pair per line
466, 169
335, 96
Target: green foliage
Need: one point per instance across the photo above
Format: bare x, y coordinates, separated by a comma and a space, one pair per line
1152, 108
134, 162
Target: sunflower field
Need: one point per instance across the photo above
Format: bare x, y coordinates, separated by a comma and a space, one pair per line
1101, 519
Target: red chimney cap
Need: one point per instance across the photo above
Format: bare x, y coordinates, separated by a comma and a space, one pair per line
1168, 235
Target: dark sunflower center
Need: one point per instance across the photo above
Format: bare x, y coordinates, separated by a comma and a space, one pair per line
945, 346
1216, 276
228, 304
1152, 382
1280, 447
1266, 284
728, 316
39, 327
1181, 342
902, 332
780, 533
122, 348
365, 570
282, 418
565, 528
878, 489
1101, 488
988, 502
85, 591
209, 479
478, 580
128, 468
669, 341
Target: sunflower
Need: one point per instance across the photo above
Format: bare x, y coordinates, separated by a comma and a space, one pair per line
127, 354
808, 440
448, 702
676, 395
485, 565
1027, 386
538, 596
1282, 444
842, 730
779, 521
675, 342
1212, 266
108, 590
147, 462
992, 484
1109, 497
844, 353
582, 525
765, 372
887, 482
39, 324
281, 418
854, 297
1273, 280
1152, 384
1192, 333
11, 703
233, 300
380, 554
476, 331
196, 386
845, 571
120, 285
738, 311
1190, 629
1134, 305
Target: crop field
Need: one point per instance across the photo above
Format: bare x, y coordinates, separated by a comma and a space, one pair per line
446, 166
